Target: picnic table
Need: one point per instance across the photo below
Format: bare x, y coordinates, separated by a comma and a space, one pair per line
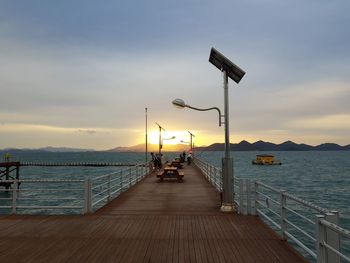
176, 163
170, 172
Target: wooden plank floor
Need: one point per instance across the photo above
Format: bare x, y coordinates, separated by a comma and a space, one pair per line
152, 222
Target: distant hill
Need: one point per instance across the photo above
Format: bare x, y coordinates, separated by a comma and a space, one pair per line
269, 146
47, 149
242, 146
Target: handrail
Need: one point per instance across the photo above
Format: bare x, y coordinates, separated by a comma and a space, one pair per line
79, 196
277, 207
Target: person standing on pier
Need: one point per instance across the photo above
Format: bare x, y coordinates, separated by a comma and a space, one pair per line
159, 161
189, 159
153, 160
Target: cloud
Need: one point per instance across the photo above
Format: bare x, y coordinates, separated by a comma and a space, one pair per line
87, 131
63, 75
327, 122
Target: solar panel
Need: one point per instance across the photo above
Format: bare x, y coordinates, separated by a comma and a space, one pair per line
224, 64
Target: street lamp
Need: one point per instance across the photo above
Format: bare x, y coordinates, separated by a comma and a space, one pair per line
163, 139
160, 139
235, 73
191, 144
146, 142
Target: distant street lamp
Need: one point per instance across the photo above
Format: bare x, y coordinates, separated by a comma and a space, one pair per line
146, 142
174, 137
191, 144
160, 139
235, 73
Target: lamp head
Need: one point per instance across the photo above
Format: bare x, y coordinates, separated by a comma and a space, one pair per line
179, 103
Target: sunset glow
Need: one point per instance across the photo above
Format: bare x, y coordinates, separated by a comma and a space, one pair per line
85, 83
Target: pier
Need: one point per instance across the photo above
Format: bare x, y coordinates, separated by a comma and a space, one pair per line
151, 222
9, 171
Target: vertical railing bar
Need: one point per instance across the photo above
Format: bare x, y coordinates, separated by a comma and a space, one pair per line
121, 181
256, 197
283, 202
320, 238
109, 189
241, 201
249, 201
87, 196
14, 197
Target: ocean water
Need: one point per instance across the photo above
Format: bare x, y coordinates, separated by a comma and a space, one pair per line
322, 178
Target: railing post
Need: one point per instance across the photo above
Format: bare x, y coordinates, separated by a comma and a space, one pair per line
320, 238
249, 201
109, 188
256, 197
130, 172
87, 196
121, 182
332, 238
14, 197
283, 201
241, 196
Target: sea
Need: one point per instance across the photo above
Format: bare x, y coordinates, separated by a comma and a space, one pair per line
320, 177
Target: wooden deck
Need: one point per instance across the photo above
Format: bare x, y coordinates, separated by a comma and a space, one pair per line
152, 222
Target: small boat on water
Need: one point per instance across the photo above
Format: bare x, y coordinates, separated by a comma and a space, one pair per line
266, 159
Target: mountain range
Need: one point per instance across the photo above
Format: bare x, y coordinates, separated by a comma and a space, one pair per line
48, 149
269, 146
242, 146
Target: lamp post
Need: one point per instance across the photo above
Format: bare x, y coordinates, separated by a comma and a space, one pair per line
160, 139
146, 138
191, 144
230, 70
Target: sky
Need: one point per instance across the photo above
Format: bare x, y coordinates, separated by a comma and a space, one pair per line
81, 73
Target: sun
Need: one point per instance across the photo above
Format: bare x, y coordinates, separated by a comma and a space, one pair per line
167, 137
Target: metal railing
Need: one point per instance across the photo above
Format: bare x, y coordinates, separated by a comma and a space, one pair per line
312, 229
67, 196
212, 173
106, 187
328, 242
42, 196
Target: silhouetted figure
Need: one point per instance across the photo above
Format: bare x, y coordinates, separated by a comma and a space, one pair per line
153, 160
189, 159
158, 161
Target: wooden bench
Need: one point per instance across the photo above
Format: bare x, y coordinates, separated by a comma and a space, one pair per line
171, 172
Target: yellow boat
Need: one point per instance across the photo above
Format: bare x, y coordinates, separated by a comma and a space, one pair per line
266, 159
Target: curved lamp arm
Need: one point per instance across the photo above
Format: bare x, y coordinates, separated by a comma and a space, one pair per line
208, 109
179, 103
